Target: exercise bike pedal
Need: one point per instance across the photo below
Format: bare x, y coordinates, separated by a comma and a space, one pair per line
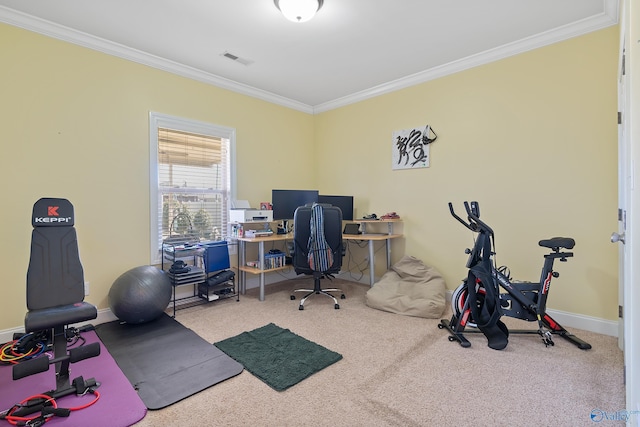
546, 338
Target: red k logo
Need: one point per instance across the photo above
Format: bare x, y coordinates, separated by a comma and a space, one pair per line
53, 211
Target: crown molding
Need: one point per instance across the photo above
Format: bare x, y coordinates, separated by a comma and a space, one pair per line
60, 32
18, 19
606, 19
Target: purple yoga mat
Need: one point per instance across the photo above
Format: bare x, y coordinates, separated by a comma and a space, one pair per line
119, 404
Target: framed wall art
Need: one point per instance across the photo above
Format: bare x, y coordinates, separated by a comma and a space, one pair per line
410, 147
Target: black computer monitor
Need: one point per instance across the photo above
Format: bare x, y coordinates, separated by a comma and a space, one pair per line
345, 203
285, 202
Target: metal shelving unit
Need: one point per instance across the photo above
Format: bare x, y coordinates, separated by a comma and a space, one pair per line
195, 275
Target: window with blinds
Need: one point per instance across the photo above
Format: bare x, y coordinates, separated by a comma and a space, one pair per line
192, 171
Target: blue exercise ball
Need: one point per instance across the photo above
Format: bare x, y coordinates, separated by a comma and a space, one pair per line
140, 295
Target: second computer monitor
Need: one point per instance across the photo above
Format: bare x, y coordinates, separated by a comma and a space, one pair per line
345, 203
285, 202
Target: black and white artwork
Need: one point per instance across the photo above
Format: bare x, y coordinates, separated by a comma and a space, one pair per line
410, 147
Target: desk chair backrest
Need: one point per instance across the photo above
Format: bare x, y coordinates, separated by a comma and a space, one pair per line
332, 221
55, 276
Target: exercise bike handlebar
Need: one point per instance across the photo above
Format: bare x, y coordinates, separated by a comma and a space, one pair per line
453, 213
475, 223
476, 218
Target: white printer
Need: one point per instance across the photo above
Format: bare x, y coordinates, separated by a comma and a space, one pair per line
250, 215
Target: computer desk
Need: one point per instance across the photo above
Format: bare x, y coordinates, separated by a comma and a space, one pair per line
260, 270
371, 238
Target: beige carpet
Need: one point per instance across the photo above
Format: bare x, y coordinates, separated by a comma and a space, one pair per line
399, 371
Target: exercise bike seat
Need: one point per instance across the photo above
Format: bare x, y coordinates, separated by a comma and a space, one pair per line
558, 242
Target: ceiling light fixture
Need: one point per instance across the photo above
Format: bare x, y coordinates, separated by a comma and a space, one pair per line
298, 10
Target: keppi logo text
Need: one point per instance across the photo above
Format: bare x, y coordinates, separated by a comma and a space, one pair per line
41, 219
53, 216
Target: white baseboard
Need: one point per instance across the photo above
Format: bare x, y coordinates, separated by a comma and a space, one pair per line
570, 320
579, 321
587, 323
566, 319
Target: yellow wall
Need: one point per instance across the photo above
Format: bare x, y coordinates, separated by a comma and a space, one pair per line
76, 125
532, 137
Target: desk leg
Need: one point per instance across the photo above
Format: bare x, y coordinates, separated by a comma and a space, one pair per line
388, 243
261, 258
372, 264
241, 262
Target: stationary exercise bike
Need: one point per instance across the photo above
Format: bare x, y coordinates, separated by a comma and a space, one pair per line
489, 293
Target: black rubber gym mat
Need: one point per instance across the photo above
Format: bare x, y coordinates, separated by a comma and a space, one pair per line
165, 361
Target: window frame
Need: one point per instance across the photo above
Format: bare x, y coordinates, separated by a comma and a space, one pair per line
160, 120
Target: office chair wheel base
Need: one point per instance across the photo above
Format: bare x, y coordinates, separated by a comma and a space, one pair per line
337, 306
342, 296
301, 307
292, 297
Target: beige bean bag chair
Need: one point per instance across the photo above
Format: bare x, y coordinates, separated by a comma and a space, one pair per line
410, 288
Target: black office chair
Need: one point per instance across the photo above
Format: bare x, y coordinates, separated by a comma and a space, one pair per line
310, 224
55, 294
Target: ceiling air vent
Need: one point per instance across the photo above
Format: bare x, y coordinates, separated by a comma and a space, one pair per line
236, 58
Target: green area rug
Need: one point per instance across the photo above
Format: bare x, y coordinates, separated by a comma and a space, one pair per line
277, 356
